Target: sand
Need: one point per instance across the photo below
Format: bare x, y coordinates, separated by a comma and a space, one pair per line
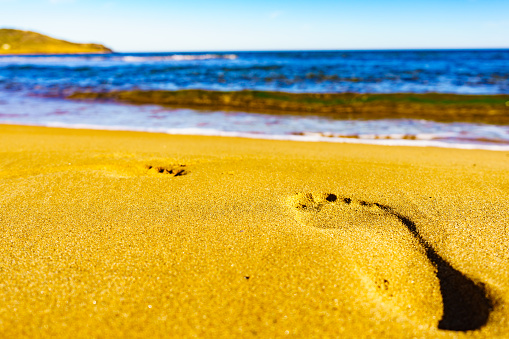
123, 234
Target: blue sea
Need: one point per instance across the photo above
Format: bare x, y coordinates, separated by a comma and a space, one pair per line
33, 91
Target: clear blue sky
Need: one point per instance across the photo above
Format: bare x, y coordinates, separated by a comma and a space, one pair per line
229, 25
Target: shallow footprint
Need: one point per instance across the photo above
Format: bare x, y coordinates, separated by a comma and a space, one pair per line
397, 264
171, 170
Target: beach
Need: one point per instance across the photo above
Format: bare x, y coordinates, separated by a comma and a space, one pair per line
131, 234
438, 98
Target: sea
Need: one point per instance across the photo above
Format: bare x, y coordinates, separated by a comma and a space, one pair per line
33, 91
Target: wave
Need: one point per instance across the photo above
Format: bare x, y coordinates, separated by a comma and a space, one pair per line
179, 57
417, 136
111, 58
421, 141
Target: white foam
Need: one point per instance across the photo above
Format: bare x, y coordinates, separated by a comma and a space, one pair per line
315, 137
179, 57
128, 58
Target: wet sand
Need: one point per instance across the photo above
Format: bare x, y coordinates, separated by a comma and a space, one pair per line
125, 234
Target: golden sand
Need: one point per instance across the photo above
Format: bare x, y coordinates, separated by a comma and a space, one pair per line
122, 234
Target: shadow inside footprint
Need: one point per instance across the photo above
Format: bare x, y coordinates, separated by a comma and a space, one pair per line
465, 304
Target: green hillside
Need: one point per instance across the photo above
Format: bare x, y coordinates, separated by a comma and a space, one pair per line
13, 41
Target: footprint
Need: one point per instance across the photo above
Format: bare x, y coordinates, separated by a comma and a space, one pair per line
172, 170
398, 264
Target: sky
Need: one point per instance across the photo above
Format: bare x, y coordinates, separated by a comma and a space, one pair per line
236, 25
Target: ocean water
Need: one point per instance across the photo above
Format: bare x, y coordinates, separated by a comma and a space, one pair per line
33, 91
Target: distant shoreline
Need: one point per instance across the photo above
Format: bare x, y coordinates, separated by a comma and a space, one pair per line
56, 54
18, 42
